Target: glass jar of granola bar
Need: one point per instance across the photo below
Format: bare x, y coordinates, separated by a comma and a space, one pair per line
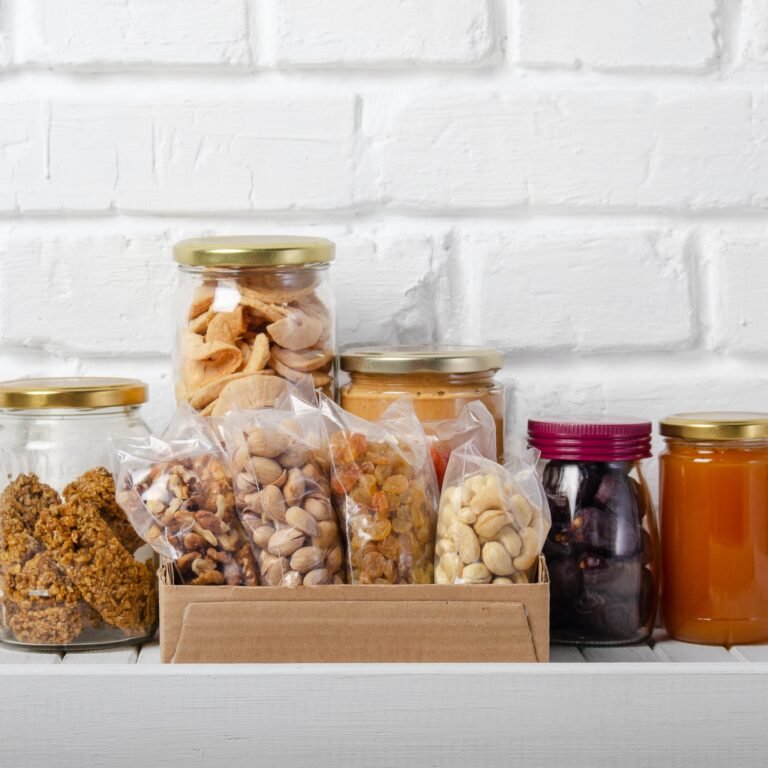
73, 572
253, 312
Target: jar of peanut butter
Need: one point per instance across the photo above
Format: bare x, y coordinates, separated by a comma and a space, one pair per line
440, 381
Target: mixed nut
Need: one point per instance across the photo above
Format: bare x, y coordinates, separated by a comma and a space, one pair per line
284, 501
487, 532
185, 509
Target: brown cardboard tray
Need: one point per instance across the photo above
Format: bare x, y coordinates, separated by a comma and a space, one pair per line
342, 623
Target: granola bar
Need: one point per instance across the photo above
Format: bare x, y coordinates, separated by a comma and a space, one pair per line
27, 497
44, 624
42, 605
98, 487
121, 589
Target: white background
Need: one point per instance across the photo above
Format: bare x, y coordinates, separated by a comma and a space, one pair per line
582, 183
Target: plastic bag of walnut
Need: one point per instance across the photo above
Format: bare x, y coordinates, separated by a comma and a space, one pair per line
384, 490
493, 520
281, 466
177, 492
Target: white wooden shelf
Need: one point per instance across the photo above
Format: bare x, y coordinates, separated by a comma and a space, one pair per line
684, 705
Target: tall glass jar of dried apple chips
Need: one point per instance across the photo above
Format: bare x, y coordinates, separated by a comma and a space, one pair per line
253, 312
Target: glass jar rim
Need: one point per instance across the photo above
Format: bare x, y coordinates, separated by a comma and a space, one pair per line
81, 392
420, 359
716, 426
253, 251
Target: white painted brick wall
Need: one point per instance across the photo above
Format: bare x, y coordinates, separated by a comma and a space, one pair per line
583, 184
607, 34
113, 33
383, 32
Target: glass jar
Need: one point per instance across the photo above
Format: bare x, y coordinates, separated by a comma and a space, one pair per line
73, 572
714, 524
439, 380
252, 312
602, 548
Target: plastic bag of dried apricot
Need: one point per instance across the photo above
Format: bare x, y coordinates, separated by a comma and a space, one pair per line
384, 491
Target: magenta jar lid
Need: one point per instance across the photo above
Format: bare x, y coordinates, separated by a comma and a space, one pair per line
591, 439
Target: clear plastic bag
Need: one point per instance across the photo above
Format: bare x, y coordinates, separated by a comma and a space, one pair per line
493, 520
177, 492
281, 465
475, 425
385, 494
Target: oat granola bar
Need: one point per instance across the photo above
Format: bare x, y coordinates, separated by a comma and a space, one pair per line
41, 602
98, 487
44, 624
113, 583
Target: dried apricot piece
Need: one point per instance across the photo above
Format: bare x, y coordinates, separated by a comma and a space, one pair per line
380, 530
395, 484
390, 548
401, 524
380, 504
358, 443
374, 564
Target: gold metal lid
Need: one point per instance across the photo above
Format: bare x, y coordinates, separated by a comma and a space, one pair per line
78, 392
717, 425
426, 359
253, 251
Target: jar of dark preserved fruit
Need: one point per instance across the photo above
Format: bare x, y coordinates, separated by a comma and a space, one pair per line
602, 548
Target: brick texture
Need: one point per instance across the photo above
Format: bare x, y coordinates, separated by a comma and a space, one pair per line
582, 184
383, 32
113, 33
608, 34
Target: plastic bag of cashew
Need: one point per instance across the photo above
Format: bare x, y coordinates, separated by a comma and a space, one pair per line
492, 522
177, 492
281, 467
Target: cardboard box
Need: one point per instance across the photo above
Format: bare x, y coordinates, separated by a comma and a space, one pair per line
408, 623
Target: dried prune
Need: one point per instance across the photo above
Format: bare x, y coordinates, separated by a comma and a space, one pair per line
603, 617
560, 510
558, 546
566, 584
620, 578
606, 532
617, 495
596, 551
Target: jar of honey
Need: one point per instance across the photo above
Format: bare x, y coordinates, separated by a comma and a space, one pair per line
714, 527
439, 380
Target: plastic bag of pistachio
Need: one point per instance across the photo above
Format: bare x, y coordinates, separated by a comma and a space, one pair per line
281, 467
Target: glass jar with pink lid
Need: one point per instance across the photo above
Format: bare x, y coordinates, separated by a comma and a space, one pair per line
602, 549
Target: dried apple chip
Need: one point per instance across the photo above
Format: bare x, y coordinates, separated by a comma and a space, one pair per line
201, 301
209, 392
259, 354
303, 360
251, 392
297, 330
209, 362
226, 326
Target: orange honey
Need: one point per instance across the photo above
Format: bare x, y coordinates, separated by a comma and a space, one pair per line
714, 528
